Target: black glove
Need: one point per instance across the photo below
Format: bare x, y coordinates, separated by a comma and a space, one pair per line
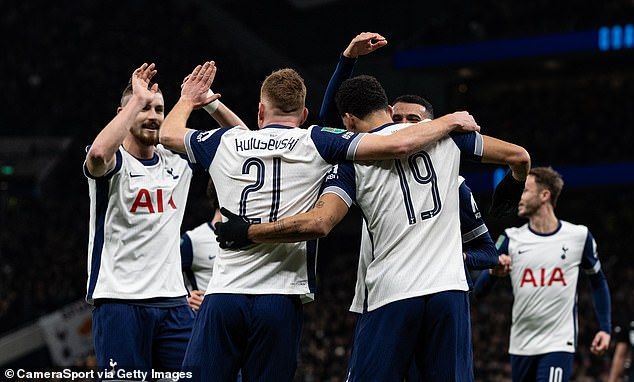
506, 197
232, 234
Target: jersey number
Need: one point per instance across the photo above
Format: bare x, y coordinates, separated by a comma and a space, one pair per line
260, 172
429, 177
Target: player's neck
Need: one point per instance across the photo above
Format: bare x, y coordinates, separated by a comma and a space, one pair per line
372, 121
136, 149
544, 220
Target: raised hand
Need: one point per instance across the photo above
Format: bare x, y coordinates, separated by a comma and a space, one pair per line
364, 43
140, 81
195, 87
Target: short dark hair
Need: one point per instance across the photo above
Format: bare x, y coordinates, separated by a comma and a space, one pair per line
360, 96
212, 196
127, 92
413, 98
549, 179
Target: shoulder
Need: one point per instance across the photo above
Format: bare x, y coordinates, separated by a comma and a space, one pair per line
516, 231
569, 228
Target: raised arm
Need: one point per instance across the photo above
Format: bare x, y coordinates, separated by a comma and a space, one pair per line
314, 224
362, 44
413, 138
218, 110
194, 94
101, 155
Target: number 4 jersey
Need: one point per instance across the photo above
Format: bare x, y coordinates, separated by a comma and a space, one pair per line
411, 212
266, 175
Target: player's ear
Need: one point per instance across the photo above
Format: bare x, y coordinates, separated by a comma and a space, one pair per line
390, 111
260, 114
304, 115
119, 109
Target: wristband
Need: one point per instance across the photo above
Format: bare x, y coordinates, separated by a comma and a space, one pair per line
212, 106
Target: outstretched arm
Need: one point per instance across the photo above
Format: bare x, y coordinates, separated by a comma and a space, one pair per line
101, 155
218, 110
501, 152
362, 44
194, 94
314, 224
413, 138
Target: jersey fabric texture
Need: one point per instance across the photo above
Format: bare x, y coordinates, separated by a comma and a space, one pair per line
135, 214
199, 249
266, 175
544, 280
410, 248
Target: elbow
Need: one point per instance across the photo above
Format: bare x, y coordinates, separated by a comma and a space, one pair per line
321, 228
97, 156
520, 163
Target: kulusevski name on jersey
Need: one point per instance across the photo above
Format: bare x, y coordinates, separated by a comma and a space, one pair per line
260, 144
266, 175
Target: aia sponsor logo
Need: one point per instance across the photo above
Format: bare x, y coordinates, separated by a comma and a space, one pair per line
542, 277
146, 201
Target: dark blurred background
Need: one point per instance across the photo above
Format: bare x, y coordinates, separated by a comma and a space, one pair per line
555, 77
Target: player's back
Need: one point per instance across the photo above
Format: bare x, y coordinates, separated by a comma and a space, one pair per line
267, 175
411, 211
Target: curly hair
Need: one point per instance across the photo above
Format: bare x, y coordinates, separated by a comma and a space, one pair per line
361, 96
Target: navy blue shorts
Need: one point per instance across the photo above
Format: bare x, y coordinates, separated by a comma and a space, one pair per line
133, 337
257, 334
434, 330
548, 367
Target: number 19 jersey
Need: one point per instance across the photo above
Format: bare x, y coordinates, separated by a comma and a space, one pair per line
411, 210
267, 175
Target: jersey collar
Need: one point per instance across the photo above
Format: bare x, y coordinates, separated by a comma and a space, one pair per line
546, 234
276, 126
381, 127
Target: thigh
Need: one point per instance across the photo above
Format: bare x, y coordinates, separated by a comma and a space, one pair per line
444, 350
384, 341
554, 367
172, 337
275, 326
524, 367
122, 336
218, 340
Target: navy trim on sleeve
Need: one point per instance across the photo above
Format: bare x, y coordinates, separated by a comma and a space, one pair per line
201, 145
109, 174
328, 114
341, 181
601, 300
470, 145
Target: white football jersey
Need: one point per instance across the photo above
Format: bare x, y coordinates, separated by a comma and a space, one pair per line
199, 249
266, 175
544, 279
135, 215
411, 244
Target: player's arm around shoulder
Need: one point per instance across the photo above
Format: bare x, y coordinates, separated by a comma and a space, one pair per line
314, 224
414, 138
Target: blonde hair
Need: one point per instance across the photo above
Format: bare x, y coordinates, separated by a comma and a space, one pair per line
284, 89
